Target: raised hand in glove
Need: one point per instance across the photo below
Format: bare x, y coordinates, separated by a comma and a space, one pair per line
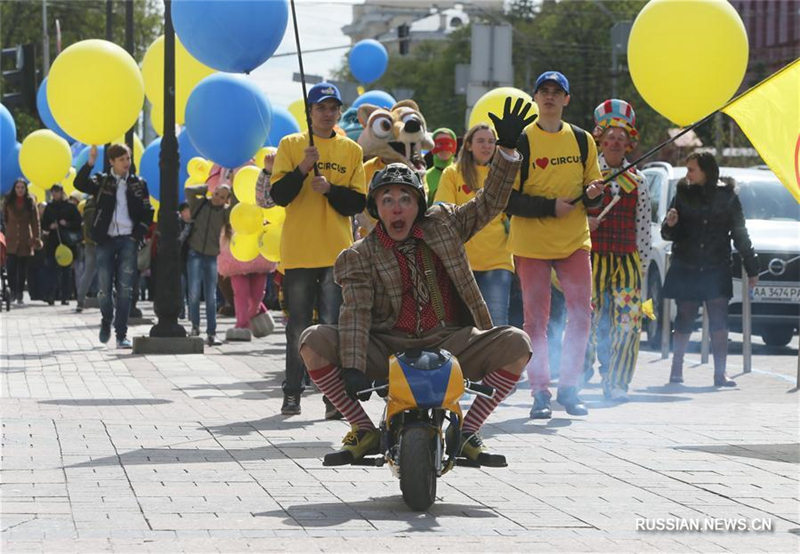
510, 127
355, 381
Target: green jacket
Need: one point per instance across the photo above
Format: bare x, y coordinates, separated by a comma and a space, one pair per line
207, 221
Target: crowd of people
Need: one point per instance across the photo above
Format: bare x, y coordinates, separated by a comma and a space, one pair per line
530, 236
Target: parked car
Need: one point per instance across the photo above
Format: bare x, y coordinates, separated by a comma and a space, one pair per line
773, 222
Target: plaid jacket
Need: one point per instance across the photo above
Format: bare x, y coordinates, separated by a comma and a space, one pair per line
369, 274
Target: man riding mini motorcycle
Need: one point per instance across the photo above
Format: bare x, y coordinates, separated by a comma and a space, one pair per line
408, 285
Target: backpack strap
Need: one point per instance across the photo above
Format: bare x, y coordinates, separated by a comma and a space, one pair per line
583, 143
198, 208
524, 148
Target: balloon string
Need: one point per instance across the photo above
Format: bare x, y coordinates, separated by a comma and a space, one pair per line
303, 83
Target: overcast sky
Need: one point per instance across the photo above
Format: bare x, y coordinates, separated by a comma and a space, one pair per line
320, 23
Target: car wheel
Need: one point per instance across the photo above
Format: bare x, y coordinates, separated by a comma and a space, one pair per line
777, 335
653, 326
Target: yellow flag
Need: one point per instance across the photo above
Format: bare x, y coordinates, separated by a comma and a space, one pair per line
769, 114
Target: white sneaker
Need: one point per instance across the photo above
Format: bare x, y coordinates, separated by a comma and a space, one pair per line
619, 394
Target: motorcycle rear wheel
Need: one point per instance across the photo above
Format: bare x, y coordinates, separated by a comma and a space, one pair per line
417, 468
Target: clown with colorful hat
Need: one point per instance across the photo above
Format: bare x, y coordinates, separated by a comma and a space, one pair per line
620, 229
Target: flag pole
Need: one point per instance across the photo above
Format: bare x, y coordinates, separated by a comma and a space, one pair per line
693, 126
303, 82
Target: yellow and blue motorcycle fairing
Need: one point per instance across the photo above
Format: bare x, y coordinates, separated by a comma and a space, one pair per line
424, 383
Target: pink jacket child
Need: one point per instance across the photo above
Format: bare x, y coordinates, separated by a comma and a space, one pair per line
248, 280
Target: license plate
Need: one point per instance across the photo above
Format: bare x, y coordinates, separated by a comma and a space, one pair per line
769, 293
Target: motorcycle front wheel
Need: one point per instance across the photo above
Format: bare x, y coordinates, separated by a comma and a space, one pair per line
417, 467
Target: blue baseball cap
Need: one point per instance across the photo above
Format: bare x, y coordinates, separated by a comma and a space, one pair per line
323, 91
556, 76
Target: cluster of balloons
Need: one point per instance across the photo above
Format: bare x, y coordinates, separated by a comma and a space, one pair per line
251, 235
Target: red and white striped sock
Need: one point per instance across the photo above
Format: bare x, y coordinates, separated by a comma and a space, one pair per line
503, 382
329, 381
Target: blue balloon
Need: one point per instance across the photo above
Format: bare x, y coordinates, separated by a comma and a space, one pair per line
368, 60
8, 132
376, 97
227, 119
283, 123
9, 168
231, 36
151, 172
149, 169
46, 115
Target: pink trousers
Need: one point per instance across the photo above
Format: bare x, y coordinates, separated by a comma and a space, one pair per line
248, 292
575, 276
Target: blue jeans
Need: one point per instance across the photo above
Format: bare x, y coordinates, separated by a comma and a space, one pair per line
303, 290
495, 286
202, 272
116, 265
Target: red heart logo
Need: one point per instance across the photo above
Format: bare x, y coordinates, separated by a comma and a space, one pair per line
542, 162
466, 189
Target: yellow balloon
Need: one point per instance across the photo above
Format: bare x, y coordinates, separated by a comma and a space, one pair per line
81, 206
246, 219
45, 157
95, 91
269, 243
263, 151
68, 182
198, 169
682, 65
493, 102
63, 255
37, 192
297, 109
244, 184
188, 72
244, 247
276, 215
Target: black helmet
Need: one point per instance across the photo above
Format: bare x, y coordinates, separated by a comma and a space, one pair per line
396, 174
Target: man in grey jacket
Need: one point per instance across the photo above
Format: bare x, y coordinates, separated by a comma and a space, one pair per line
208, 216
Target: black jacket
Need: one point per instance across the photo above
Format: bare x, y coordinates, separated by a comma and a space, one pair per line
708, 218
104, 187
70, 233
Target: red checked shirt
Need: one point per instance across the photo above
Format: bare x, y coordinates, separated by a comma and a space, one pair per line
407, 321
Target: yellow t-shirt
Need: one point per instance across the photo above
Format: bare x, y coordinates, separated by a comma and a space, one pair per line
488, 249
555, 171
314, 233
371, 167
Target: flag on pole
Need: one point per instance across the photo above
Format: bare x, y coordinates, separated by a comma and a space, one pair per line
769, 114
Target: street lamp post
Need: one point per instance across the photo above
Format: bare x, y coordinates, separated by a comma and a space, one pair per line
168, 270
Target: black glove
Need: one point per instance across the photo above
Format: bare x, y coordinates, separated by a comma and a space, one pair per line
354, 381
514, 121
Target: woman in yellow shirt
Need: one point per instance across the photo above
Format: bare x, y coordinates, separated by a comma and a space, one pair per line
488, 255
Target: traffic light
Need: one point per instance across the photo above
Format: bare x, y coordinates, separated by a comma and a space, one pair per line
19, 77
404, 41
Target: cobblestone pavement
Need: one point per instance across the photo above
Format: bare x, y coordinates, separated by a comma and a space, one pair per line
106, 451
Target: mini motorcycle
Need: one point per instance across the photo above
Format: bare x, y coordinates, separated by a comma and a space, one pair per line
424, 389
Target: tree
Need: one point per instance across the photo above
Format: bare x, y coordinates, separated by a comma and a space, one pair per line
22, 24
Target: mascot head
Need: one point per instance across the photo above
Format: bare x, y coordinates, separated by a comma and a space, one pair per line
396, 135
